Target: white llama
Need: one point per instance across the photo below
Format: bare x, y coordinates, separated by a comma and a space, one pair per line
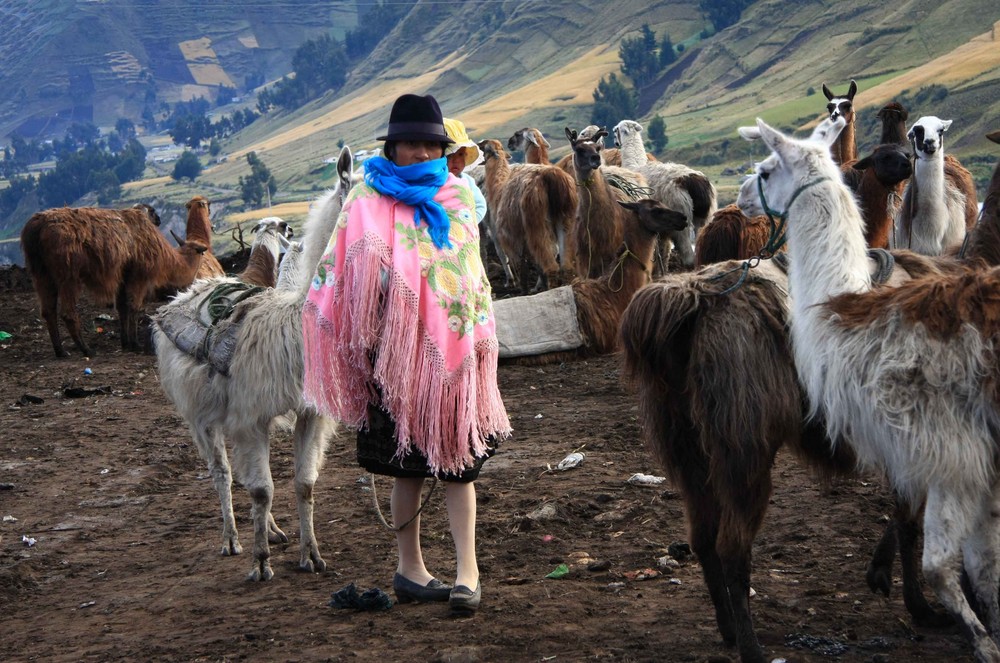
939, 203
262, 381
907, 375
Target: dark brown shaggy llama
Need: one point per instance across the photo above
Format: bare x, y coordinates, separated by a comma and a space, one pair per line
731, 235
117, 255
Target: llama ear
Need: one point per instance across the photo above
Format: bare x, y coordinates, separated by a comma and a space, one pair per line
177, 238
853, 90
544, 142
571, 135
345, 165
827, 93
994, 136
945, 124
773, 138
863, 164
629, 205
749, 133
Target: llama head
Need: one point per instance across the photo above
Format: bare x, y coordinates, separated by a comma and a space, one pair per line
274, 225
590, 131
655, 217
841, 106
150, 212
492, 149
927, 136
624, 129
793, 163
522, 138
748, 200
586, 151
890, 163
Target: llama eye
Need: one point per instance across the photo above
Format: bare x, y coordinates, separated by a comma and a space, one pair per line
764, 175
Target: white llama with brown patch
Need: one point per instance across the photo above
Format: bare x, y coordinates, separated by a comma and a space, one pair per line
908, 376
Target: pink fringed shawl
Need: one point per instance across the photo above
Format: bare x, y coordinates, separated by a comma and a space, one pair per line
383, 291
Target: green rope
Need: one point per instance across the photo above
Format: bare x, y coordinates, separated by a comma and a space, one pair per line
775, 238
221, 302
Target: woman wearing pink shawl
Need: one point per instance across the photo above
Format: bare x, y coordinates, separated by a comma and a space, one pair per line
400, 341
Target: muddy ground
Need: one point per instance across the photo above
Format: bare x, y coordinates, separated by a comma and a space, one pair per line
126, 531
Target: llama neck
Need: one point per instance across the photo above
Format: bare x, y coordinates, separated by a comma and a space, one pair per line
262, 267
845, 148
928, 227
182, 267
632, 267
199, 227
319, 228
876, 202
984, 239
633, 152
537, 154
827, 247
497, 174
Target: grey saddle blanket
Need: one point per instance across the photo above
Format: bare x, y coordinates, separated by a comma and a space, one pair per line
537, 324
206, 328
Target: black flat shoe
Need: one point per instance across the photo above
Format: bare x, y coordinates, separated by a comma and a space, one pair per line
464, 601
408, 591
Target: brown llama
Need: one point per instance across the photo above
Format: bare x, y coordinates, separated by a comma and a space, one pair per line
893, 117
533, 209
600, 222
199, 228
116, 255
532, 143
600, 302
846, 147
271, 236
731, 235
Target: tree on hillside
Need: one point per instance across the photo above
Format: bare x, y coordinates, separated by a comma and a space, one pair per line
723, 13
188, 165
613, 102
639, 60
258, 184
319, 65
667, 55
658, 134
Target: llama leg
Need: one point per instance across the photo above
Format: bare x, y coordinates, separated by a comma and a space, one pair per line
982, 564
212, 448
949, 519
908, 533
70, 316
703, 519
738, 528
310, 438
879, 573
251, 452
47, 301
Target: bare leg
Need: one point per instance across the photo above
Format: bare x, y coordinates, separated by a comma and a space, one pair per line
404, 502
461, 501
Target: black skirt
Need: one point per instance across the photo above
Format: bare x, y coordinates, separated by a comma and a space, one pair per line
377, 449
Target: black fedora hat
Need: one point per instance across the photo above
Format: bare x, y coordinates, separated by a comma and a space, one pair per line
416, 118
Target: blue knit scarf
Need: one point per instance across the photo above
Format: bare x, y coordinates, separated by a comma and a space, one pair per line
415, 186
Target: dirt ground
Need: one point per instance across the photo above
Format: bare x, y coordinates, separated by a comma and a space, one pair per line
111, 536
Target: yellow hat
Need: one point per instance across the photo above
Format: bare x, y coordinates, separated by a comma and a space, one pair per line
456, 131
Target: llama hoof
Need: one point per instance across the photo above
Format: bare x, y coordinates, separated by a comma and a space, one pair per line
313, 564
879, 579
261, 572
275, 535
231, 547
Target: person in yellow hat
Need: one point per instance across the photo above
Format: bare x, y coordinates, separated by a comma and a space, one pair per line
463, 152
